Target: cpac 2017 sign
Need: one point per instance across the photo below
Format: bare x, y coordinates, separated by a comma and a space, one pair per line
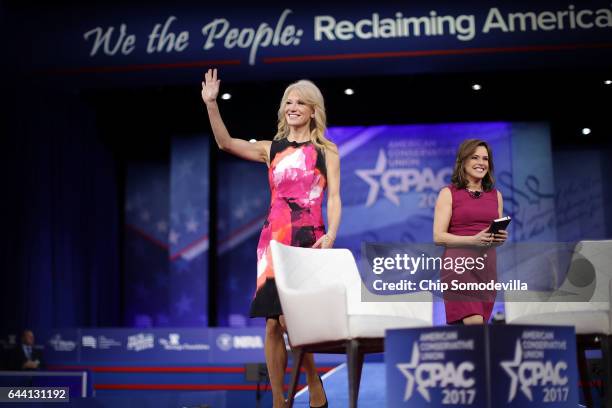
485, 366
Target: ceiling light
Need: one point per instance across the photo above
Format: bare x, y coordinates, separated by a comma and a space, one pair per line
349, 91
586, 131
226, 96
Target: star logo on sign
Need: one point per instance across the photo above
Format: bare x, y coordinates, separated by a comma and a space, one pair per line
173, 237
369, 176
510, 367
192, 225
183, 305
162, 226
407, 369
185, 168
145, 215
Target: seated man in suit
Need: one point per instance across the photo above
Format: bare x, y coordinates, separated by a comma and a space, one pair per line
25, 355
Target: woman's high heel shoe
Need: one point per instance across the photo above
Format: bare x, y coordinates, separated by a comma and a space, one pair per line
325, 395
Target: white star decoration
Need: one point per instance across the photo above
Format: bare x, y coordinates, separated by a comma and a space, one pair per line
508, 368
173, 237
162, 226
368, 177
405, 369
192, 225
239, 213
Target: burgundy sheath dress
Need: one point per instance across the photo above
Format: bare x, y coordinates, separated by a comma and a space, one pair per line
470, 216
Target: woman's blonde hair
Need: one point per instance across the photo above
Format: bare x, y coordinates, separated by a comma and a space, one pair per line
311, 95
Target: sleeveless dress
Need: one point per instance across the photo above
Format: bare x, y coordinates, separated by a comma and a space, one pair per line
470, 216
297, 177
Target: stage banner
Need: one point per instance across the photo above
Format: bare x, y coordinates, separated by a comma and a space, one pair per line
169, 346
59, 345
390, 179
436, 367
533, 366
316, 38
146, 263
188, 231
240, 345
482, 366
156, 346
579, 195
243, 199
166, 241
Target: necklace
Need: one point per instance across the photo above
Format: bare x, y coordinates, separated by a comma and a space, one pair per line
474, 193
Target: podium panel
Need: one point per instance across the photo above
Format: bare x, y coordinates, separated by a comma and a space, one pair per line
482, 366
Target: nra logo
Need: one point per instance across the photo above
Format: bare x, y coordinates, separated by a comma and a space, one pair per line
227, 342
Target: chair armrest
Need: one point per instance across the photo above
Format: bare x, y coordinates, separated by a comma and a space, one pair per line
316, 315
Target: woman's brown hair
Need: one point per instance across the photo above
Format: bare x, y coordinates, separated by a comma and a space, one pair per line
466, 150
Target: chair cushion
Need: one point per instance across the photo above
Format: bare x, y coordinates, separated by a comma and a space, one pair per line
369, 326
585, 322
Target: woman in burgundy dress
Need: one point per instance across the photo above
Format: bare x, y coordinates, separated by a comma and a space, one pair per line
302, 164
464, 211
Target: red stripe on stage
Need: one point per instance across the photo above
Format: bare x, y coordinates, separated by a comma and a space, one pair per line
154, 369
188, 247
428, 53
147, 236
188, 387
164, 245
238, 231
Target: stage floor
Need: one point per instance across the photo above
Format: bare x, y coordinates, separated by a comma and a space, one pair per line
372, 389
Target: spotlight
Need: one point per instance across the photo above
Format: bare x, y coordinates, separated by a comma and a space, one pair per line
586, 131
349, 91
608, 82
476, 87
226, 96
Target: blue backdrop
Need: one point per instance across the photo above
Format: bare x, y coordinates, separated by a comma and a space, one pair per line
166, 245
390, 178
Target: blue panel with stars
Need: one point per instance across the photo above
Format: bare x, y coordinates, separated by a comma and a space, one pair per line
391, 177
188, 234
436, 367
534, 366
243, 200
482, 366
166, 241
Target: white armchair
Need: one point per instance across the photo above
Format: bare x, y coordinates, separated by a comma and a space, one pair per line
591, 270
320, 292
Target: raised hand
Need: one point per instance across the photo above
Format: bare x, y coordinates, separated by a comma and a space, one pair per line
210, 86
